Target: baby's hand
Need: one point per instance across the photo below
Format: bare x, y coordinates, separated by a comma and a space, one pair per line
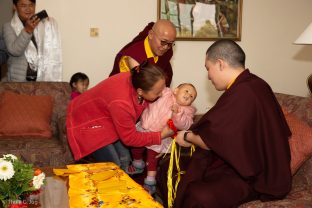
175, 108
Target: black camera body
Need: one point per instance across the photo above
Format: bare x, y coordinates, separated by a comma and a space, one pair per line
41, 15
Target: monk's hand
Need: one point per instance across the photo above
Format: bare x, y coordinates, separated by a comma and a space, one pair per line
180, 139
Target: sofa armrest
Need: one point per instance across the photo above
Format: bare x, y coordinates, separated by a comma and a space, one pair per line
63, 139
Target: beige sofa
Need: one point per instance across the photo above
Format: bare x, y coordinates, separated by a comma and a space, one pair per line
42, 152
301, 192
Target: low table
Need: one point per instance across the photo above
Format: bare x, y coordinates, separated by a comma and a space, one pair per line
104, 183
54, 193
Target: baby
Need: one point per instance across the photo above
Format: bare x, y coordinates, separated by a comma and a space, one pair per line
79, 83
173, 104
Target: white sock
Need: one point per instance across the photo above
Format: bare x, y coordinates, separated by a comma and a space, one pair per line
150, 178
138, 163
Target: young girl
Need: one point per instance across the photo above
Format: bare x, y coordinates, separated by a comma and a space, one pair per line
173, 104
79, 83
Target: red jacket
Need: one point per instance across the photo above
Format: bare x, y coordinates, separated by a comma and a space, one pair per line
105, 113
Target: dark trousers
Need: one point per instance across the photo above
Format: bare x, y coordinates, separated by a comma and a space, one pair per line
116, 153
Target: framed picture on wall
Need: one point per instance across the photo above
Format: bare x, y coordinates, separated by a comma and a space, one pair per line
203, 19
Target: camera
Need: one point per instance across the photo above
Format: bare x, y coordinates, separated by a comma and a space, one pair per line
41, 15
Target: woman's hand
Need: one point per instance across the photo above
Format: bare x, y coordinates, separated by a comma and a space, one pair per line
31, 24
166, 132
131, 62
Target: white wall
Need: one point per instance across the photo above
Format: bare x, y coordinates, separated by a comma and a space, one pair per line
6, 11
268, 31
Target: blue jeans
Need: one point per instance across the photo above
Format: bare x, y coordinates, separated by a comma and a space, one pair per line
116, 153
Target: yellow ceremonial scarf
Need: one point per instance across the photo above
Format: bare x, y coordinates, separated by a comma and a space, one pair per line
123, 64
174, 159
102, 185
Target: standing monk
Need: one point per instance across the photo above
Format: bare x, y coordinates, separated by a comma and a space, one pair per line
242, 149
154, 44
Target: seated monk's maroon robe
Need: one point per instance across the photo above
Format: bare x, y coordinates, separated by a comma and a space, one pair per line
135, 49
249, 157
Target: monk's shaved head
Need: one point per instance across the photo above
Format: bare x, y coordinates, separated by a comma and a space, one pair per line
165, 27
162, 36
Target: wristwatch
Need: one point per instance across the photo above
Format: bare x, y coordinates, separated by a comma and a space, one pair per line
185, 135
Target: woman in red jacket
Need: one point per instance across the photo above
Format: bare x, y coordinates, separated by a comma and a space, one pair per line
103, 118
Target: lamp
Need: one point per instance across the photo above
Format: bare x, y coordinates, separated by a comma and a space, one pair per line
306, 36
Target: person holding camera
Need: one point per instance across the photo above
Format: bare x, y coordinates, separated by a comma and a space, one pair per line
33, 44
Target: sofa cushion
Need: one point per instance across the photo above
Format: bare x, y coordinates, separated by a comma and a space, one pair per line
25, 115
300, 142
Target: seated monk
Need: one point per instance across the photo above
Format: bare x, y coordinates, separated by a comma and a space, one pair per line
242, 151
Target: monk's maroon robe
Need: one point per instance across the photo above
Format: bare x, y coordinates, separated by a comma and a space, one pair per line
249, 157
135, 49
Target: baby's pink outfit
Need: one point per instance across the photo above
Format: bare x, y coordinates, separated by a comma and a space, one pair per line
155, 117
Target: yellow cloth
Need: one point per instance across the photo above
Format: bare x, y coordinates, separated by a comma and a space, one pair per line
148, 50
174, 159
100, 185
228, 87
123, 63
